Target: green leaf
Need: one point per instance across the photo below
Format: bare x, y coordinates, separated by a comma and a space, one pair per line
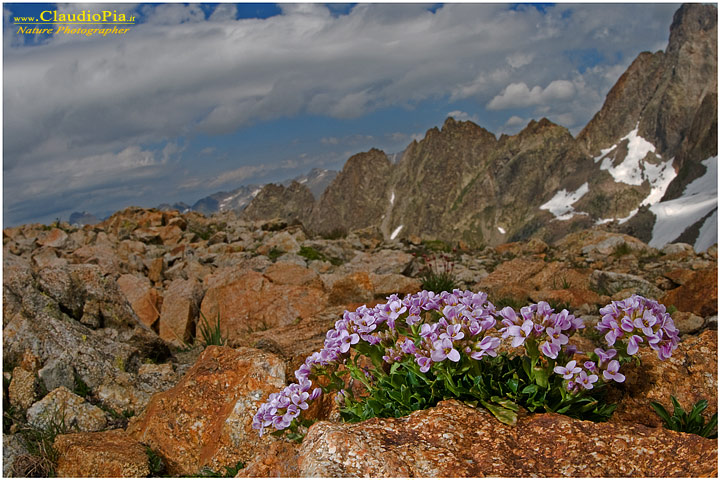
662, 413
505, 415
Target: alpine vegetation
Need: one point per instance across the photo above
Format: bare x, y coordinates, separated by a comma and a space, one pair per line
409, 354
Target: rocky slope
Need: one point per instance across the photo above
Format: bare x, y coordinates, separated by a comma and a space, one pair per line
651, 139
103, 323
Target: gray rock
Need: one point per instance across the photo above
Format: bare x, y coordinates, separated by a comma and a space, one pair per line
62, 407
57, 372
613, 283
13, 447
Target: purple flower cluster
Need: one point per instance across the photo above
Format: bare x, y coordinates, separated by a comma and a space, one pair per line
639, 320
431, 328
539, 321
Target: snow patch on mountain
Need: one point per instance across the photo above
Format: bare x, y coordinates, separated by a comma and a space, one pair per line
634, 170
561, 204
697, 201
395, 232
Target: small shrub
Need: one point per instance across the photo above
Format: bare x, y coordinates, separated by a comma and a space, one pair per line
42, 457
621, 250
310, 253
692, 422
275, 253
156, 464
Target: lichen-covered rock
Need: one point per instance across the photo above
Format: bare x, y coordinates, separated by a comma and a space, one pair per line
248, 301
108, 454
613, 283
698, 294
61, 406
689, 375
21, 391
205, 420
454, 440
279, 460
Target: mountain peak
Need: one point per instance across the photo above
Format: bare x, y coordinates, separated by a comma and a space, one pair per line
690, 20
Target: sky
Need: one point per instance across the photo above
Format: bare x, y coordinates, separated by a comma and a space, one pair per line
198, 98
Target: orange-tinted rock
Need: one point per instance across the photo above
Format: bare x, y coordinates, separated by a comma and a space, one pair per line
352, 288
387, 284
108, 454
180, 311
47, 257
21, 391
454, 440
279, 460
698, 294
247, 301
155, 269
572, 297
515, 271
55, 238
145, 300
680, 276
689, 375
205, 420
283, 273
102, 255
170, 235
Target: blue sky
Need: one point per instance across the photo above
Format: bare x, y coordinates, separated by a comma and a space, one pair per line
198, 98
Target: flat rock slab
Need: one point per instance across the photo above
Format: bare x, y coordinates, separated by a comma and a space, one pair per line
454, 440
101, 454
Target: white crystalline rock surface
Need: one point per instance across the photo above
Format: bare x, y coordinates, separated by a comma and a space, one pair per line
634, 170
395, 232
561, 204
501, 230
698, 200
392, 198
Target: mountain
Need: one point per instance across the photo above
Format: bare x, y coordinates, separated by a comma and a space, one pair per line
653, 142
236, 199
317, 180
291, 203
83, 218
181, 207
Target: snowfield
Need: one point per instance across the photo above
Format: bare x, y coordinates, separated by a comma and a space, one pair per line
698, 200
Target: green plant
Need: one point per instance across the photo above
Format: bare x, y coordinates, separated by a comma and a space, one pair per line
155, 462
621, 250
437, 274
564, 284
230, 471
275, 253
81, 389
310, 253
42, 457
410, 354
211, 334
682, 421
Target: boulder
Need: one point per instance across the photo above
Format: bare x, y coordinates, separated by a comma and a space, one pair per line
697, 295
455, 440
248, 301
623, 284
21, 391
205, 420
690, 375
145, 301
181, 305
55, 238
61, 406
109, 454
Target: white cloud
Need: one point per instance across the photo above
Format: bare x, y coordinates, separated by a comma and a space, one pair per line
514, 121
460, 115
179, 74
518, 95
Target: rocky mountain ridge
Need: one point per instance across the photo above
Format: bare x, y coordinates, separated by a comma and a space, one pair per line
647, 143
104, 323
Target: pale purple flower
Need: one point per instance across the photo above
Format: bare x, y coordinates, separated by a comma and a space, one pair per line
568, 370
605, 356
586, 380
486, 346
444, 349
424, 363
633, 346
550, 349
346, 340
453, 332
520, 333
590, 366
556, 336
612, 372
408, 346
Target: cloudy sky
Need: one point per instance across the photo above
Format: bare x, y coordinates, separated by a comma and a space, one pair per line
198, 98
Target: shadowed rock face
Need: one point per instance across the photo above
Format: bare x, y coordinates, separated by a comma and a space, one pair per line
291, 203
453, 440
351, 201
